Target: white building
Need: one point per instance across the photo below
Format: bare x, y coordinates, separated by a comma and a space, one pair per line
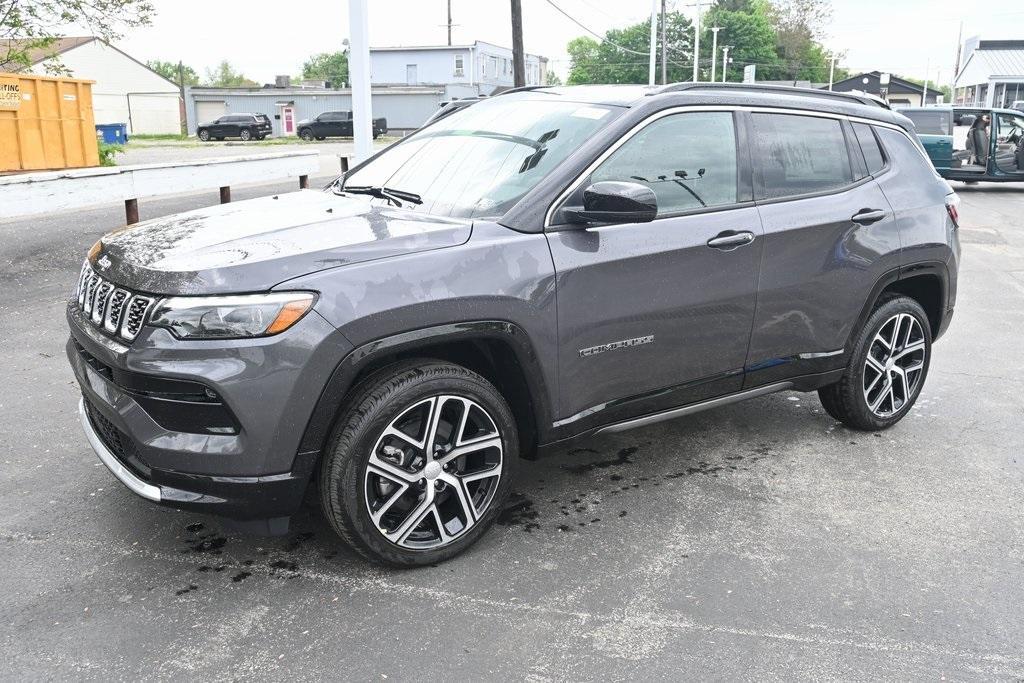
991, 73
126, 90
464, 70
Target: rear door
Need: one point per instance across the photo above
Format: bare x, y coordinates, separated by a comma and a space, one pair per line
830, 235
652, 315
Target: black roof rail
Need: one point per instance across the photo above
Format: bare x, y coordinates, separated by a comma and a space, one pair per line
522, 88
774, 89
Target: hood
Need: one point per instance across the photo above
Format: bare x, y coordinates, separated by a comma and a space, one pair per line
253, 245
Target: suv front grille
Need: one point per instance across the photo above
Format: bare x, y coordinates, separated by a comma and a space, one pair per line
117, 311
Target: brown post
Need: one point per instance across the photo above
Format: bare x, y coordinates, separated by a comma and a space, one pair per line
518, 61
225, 195
131, 211
303, 182
344, 163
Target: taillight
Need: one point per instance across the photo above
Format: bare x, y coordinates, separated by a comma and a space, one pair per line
952, 204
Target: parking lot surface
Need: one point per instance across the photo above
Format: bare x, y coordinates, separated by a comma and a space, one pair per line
759, 540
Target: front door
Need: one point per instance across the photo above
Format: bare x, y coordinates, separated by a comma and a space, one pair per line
1009, 150
652, 315
411, 77
287, 120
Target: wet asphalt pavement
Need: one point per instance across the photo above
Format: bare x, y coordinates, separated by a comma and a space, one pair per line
759, 540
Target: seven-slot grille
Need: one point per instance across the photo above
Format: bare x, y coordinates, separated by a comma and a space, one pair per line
117, 311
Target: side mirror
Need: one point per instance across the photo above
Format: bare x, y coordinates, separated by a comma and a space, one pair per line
612, 201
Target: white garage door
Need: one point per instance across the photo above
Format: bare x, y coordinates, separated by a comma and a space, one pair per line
208, 111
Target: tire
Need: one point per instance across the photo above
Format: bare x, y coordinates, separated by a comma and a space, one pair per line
245, 135
203, 135
374, 462
877, 391
306, 134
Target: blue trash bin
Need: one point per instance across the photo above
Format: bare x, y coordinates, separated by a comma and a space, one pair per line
113, 133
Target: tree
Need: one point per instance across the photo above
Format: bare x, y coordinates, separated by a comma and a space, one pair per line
30, 26
799, 24
551, 78
749, 34
622, 56
327, 66
169, 70
225, 76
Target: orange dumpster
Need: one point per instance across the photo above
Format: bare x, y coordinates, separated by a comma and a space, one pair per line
46, 123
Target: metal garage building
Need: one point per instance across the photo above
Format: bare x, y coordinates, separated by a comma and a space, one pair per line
405, 107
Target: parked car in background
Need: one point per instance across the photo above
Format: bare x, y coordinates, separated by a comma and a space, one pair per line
335, 124
972, 144
242, 126
535, 268
1018, 105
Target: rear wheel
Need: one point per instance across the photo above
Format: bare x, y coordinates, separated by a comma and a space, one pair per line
886, 370
420, 463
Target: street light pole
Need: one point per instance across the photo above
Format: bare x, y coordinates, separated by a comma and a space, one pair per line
654, 41
696, 46
725, 62
831, 70
714, 50
359, 72
664, 47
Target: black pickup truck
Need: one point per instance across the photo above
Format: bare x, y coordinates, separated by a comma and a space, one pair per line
335, 124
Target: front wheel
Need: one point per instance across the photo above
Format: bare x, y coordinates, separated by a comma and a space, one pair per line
420, 463
204, 135
245, 135
306, 134
887, 367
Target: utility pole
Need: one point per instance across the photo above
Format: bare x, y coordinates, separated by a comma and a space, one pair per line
449, 22
725, 62
654, 43
696, 46
927, 73
181, 88
664, 48
518, 65
956, 64
714, 49
359, 72
831, 70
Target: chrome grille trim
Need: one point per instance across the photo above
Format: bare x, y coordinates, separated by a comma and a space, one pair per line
117, 311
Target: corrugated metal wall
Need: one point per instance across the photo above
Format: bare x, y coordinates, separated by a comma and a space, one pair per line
404, 111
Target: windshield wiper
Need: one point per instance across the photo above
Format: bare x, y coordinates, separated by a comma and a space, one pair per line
396, 197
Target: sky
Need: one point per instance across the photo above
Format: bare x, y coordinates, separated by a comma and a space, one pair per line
908, 37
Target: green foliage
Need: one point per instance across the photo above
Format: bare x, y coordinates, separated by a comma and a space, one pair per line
553, 79
749, 33
27, 26
622, 56
169, 70
107, 152
224, 76
327, 66
932, 87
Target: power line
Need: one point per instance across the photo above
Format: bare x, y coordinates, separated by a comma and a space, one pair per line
603, 39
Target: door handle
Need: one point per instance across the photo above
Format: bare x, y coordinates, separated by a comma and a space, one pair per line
729, 240
869, 216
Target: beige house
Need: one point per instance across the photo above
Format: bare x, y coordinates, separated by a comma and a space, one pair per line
126, 90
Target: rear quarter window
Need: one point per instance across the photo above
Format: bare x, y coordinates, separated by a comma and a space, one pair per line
938, 122
869, 147
797, 155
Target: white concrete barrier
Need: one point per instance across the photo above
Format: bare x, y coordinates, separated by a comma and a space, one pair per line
26, 194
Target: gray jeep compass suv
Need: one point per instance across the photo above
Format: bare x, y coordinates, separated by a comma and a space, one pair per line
536, 267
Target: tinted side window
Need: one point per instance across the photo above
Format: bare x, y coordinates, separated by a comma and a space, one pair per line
689, 160
869, 145
937, 122
799, 155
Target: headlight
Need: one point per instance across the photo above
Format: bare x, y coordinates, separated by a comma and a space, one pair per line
231, 317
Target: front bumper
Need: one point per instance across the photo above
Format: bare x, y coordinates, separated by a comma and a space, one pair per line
255, 472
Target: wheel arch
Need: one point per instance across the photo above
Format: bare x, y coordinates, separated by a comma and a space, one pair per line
926, 282
499, 351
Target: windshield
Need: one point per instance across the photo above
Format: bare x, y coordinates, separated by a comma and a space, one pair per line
480, 161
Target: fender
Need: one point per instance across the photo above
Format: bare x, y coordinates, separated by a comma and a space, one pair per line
904, 272
337, 388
